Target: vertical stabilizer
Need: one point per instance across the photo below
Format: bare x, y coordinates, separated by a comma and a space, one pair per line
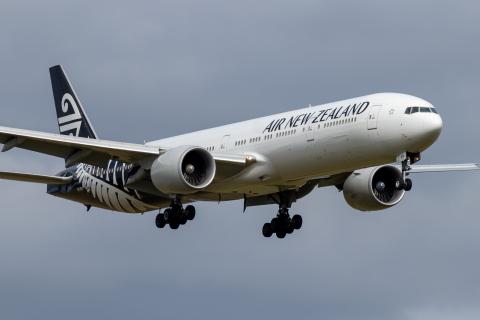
72, 119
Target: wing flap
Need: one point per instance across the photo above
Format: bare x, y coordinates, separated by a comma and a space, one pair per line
91, 151
35, 178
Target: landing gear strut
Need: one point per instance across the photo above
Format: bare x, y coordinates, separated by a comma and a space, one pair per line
406, 183
175, 216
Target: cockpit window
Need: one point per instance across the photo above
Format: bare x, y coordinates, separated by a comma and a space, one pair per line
411, 110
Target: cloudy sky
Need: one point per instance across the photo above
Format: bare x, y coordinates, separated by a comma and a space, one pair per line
152, 69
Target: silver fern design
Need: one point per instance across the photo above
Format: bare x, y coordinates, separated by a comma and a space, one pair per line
104, 185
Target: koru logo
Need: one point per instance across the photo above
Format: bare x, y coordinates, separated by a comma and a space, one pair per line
72, 120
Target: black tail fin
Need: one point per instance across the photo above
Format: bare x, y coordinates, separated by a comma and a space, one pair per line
72, 119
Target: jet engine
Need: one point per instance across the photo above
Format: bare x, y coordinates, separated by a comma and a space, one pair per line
372, 189
183, 170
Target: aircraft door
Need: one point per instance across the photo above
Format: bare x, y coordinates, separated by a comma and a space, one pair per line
309, 136
372, 121
224, 145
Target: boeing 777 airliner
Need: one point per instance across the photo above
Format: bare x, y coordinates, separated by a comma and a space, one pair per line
366, 147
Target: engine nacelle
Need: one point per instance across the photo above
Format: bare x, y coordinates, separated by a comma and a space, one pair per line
183, 170
372, 189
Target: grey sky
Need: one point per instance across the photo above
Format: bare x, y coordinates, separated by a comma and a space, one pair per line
151, 69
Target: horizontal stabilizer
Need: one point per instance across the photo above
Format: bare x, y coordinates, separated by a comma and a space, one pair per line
35, 178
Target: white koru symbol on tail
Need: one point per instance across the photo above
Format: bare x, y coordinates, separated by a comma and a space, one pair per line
65, 122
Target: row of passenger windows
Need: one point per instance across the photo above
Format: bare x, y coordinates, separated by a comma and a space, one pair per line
291, 132
339, 122
270, 136
212, 148
411, 110
265, 137
240, 142
285, 133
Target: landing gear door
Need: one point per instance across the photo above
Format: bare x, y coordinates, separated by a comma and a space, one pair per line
372, 120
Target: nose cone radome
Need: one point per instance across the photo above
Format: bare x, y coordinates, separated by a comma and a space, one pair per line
427, 130
433, 127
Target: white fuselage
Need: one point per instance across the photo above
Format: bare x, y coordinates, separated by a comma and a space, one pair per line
294, 147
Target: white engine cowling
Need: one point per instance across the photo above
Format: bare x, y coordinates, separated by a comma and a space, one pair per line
372, 189
183, 170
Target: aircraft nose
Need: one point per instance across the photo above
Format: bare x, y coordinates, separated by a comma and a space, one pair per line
433, 126
422, 130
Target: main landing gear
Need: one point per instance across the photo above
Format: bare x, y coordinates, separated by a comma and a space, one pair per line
175, 216
282, 224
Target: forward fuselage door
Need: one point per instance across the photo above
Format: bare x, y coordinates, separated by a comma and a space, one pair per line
372, 120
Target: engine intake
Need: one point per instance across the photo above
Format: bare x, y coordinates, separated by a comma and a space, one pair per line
183, 170
372, 189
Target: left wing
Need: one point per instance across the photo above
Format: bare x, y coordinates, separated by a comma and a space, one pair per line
98, 152
75, 149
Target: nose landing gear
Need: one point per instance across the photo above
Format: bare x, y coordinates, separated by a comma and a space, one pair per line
409, 158
175, 216
408, 184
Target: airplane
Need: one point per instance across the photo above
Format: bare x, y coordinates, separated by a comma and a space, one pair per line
366, 147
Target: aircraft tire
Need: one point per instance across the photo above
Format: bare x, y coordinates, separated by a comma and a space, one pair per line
408, 184
281, 234
290, 229
275, 223
183, 218
168, 214
267, 230
160, 221
297, 221
190, 212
